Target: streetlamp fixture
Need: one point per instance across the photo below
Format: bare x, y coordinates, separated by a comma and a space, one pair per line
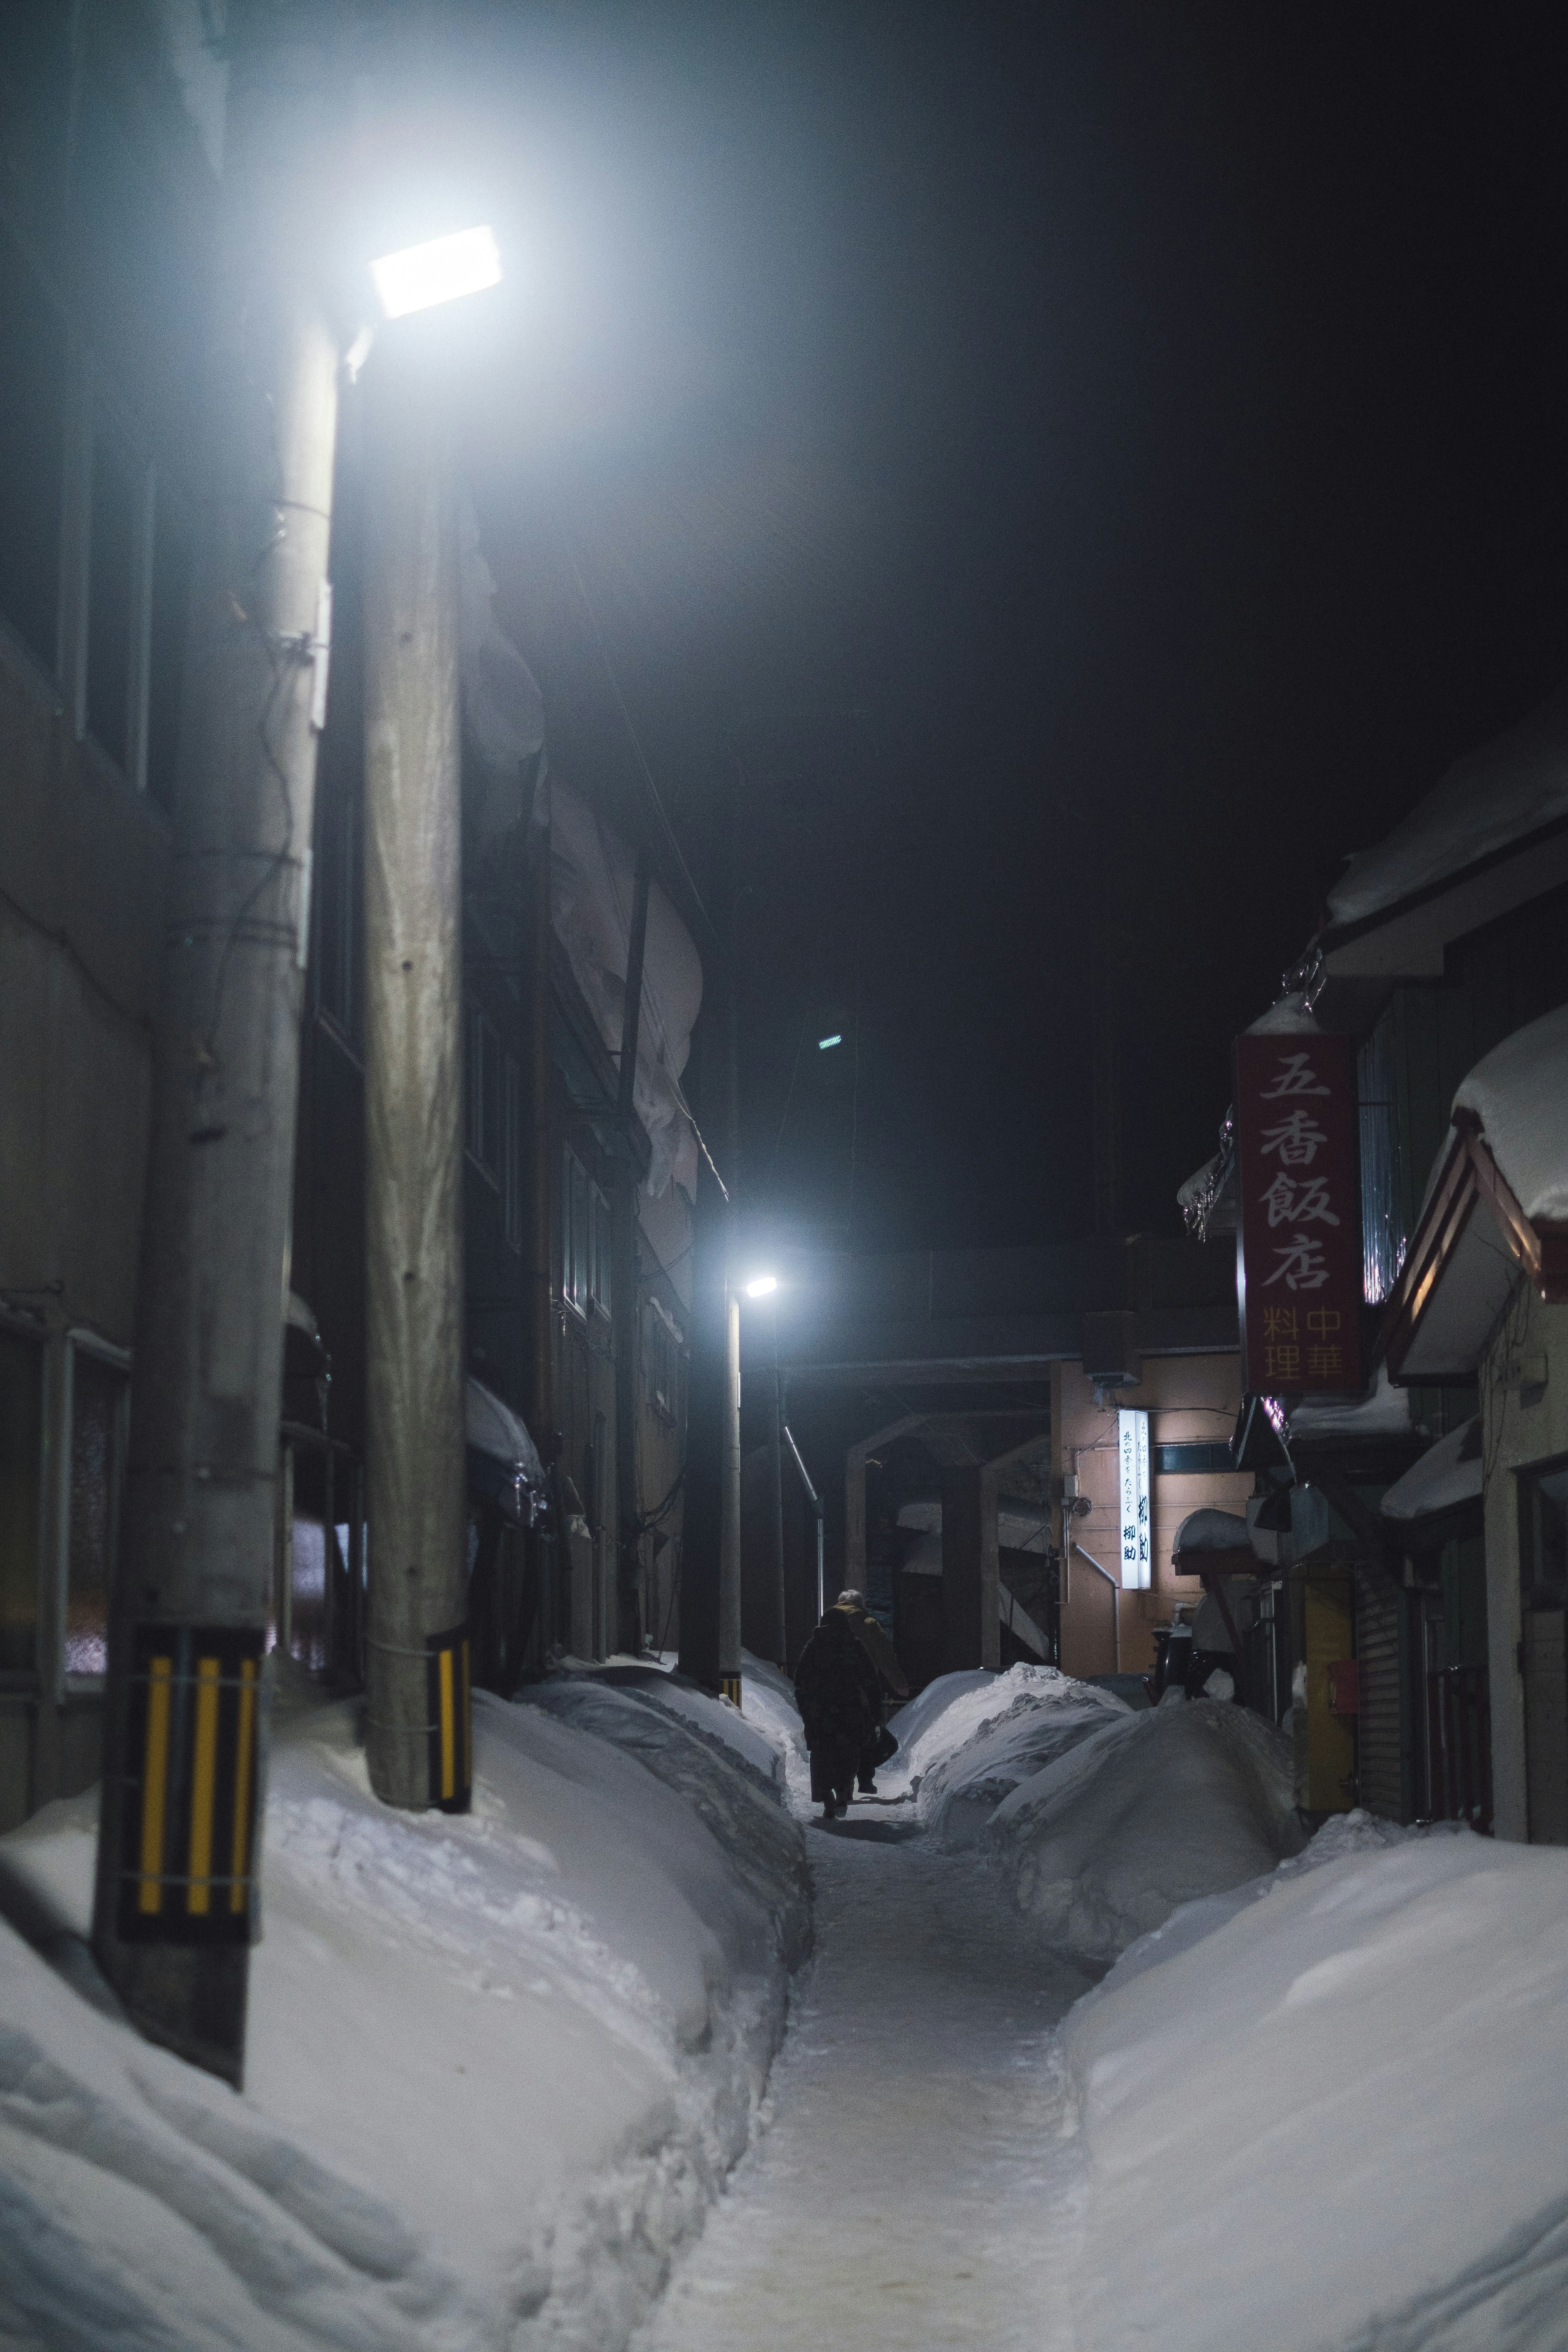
762, 1286
440, 270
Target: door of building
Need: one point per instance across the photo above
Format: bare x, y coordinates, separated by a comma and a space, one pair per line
1544, 1646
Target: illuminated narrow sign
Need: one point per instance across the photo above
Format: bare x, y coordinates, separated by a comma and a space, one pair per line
1299, 1268
1132, 1450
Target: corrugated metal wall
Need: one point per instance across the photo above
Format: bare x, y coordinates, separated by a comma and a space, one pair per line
1381, 1747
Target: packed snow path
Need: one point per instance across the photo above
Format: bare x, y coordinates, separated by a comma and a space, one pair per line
913, 2191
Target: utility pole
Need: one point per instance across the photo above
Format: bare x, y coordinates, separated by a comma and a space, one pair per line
176, 1907
628, 1634
773, 1495
419, 1741
1106, 1123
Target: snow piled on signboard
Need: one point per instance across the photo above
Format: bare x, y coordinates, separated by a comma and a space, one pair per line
1153, 1811
498, 2064
1338, 2117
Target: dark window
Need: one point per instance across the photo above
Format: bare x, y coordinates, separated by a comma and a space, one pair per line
574, 1235
602, 1233
98, 1405
484, 1110
1189, 1461
513, 1189
1382, 1188
21, 1450
662, 1362
32, 456
166, 650
113, 560
337, 886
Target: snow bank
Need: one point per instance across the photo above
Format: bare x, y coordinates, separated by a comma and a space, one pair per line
497, 2065
1343, 2120
1153, 1811
936, 1723
1034, 1715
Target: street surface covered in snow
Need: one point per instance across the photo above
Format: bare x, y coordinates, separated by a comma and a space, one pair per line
915, 2188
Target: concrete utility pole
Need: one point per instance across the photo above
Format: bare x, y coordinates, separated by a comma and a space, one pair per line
548, 1548
772, 1496
623, 1288
177, 1905
419, 1741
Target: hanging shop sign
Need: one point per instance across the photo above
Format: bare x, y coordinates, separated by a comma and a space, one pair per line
1132, 1448
1299, 1272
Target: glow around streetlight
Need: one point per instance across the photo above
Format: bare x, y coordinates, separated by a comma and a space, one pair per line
420, 275
762, 1286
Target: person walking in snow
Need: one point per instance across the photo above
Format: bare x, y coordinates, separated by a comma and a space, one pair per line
840, 1696
873, 1640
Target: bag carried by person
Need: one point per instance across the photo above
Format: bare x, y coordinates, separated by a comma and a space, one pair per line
883, 1745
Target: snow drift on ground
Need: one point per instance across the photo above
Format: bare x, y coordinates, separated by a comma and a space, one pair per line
1152, 1811
497, 2064
1340, 2122
987, 1735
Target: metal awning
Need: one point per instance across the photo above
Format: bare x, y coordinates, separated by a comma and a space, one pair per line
503, 1460
1447, 1478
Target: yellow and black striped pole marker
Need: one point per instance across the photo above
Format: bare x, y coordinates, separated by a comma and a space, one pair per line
451, 1721
188, 1873
729, 1688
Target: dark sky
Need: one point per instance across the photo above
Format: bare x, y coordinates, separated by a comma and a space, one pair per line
1074, 466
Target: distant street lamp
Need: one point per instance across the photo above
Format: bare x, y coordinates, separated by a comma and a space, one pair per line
762, 1286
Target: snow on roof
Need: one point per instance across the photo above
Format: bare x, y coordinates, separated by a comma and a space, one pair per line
1287, 1017
1447, 1473
1211, 1530
491, 1427
1519, 1093
1383, 1411
1506, 791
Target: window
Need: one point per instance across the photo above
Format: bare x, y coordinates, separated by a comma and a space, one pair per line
337, 887
99, 1395
662, 1347
21, 1463
32, 402
586, 1240
512, 1191
1382, 1217
484, 1112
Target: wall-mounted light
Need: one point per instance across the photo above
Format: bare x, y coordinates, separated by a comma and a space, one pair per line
822, 1043
762, 1286
445, 267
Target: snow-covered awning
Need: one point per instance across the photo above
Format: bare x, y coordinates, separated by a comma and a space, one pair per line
1207, 1531
1496, 1206
1502, 794
1447, 1476
1383, 1411
503, 1460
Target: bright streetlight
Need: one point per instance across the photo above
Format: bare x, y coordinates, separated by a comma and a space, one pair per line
420, 275
762, 1286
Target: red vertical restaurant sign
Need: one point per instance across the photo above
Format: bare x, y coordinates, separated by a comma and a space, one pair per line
1300, 1269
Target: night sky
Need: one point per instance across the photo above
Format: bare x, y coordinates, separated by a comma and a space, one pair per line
1062, 475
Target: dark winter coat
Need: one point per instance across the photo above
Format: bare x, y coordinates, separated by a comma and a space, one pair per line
836, 1687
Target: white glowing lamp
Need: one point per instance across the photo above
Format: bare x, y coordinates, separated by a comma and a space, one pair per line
762, 1286
439, 271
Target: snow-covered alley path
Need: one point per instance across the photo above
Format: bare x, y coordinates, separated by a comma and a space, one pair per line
912, 2189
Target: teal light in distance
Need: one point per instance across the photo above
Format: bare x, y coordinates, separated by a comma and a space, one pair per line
822, 1043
